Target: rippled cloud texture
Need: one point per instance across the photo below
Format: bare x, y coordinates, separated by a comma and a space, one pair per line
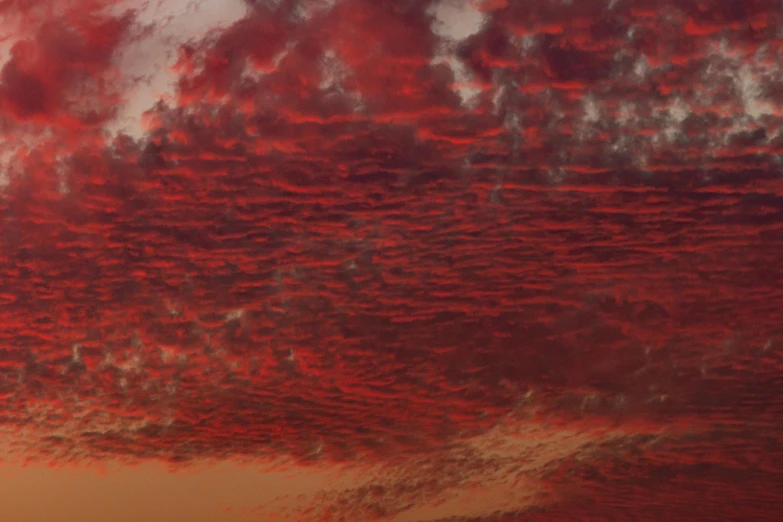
514, 260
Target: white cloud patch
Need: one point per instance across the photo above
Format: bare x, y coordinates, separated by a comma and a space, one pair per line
147, 64
455, 21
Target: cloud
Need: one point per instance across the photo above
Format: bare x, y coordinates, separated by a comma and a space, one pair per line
409, 266
49, 74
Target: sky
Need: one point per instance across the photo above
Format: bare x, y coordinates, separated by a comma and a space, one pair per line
391, 260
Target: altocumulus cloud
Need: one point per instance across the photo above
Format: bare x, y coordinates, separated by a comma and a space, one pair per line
322, 247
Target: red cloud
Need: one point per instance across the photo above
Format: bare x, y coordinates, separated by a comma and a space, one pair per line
319, 251
48, 76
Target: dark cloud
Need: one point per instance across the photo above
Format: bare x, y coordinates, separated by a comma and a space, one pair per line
49, 75
320, 251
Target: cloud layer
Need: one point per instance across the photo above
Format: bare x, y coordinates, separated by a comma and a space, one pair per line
323, 249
